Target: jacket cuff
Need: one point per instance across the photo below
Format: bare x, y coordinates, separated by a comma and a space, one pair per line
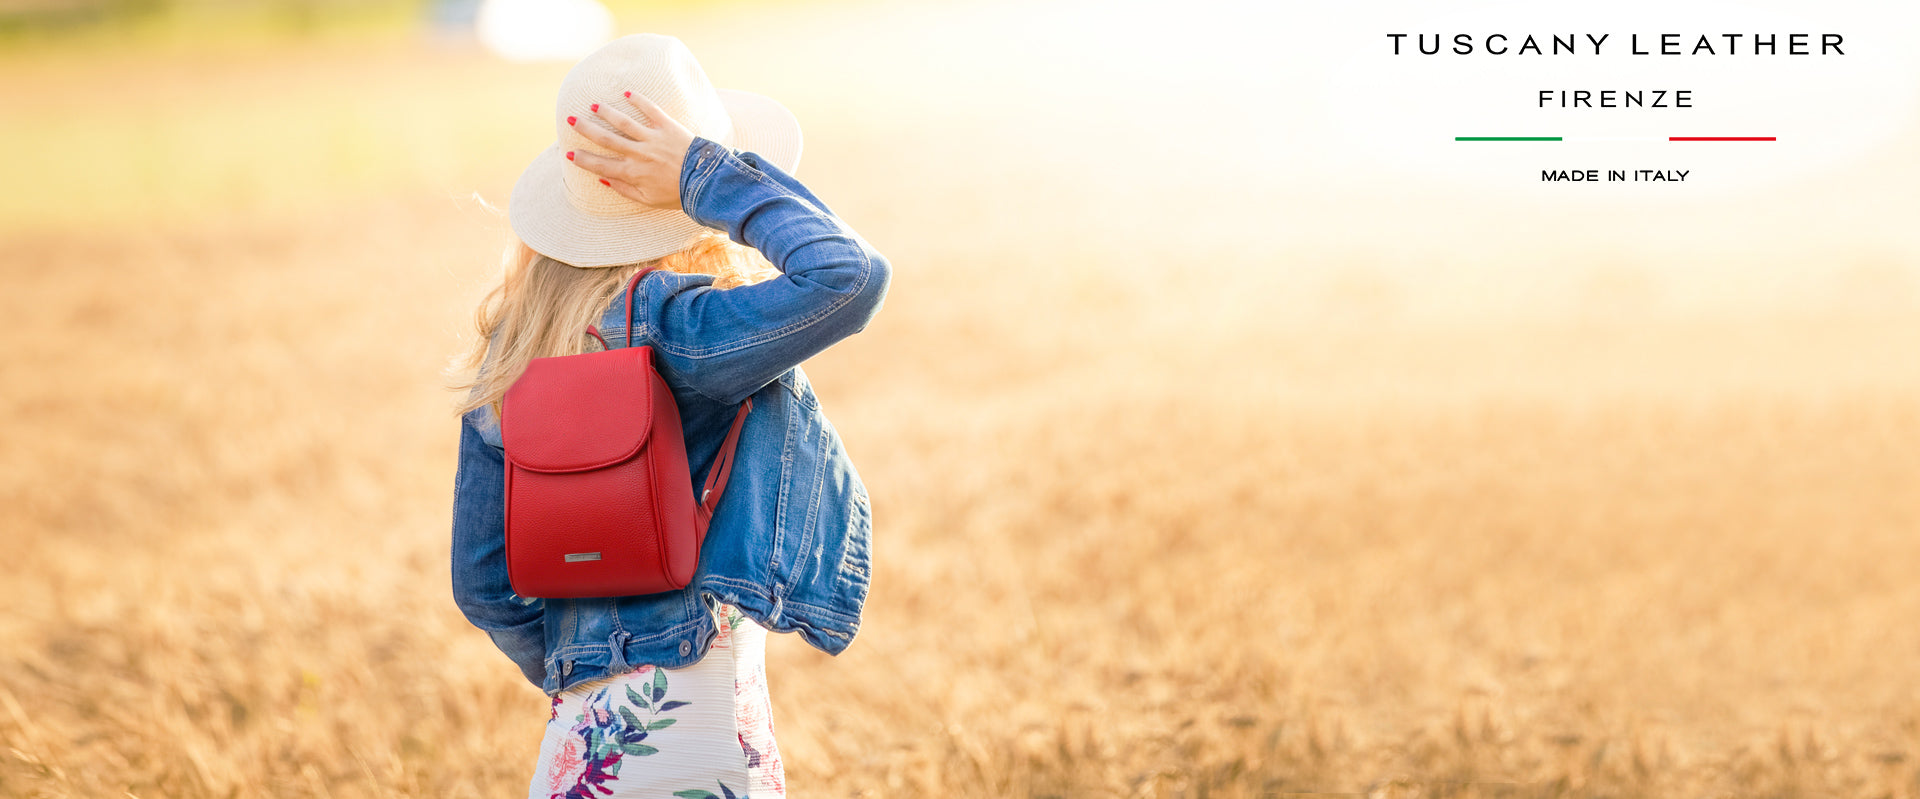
702, 158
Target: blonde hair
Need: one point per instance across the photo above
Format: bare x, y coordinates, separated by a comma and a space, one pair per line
542, 307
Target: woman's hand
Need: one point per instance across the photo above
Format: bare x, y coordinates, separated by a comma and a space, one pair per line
645, 167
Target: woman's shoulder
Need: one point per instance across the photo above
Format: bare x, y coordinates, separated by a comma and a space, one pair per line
668, 283
486, 423
657, 288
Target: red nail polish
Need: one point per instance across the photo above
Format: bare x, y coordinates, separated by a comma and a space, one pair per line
603, 182
569, 155
570, 120
596, 108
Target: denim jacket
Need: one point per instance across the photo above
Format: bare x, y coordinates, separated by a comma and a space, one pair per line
789, 540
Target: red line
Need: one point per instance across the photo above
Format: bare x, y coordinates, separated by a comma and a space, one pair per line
1720, 138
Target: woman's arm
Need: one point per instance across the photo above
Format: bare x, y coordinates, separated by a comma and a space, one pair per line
727, 344
480, 585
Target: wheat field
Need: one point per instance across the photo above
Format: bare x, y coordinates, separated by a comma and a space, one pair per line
1175, 496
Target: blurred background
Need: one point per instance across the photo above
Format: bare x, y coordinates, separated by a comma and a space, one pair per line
1231, 430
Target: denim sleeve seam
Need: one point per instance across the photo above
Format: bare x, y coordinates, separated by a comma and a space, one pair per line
760, 176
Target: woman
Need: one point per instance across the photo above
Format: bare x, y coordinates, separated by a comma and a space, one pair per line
664, 694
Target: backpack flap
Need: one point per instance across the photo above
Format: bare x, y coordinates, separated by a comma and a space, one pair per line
577, 413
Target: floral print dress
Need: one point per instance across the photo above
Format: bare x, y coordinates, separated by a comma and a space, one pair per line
699, 732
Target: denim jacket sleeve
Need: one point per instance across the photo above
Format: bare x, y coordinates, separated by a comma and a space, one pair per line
480, 585
727, 344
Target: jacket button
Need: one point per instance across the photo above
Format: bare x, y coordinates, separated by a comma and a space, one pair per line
686, 648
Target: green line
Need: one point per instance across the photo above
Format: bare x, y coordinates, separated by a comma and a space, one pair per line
1506, 138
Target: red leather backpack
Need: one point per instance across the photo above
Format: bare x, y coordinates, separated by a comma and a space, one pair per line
599, 494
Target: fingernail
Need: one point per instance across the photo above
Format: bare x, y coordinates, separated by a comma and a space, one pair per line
596, 108
569, 155
570, 120
603, 182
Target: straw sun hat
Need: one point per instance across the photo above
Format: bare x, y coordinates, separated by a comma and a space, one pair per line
563, 212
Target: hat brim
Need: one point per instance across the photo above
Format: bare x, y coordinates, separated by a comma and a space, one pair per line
543, 216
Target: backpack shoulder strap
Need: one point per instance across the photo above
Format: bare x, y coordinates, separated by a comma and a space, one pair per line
721, 469
632, 285
723, 461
